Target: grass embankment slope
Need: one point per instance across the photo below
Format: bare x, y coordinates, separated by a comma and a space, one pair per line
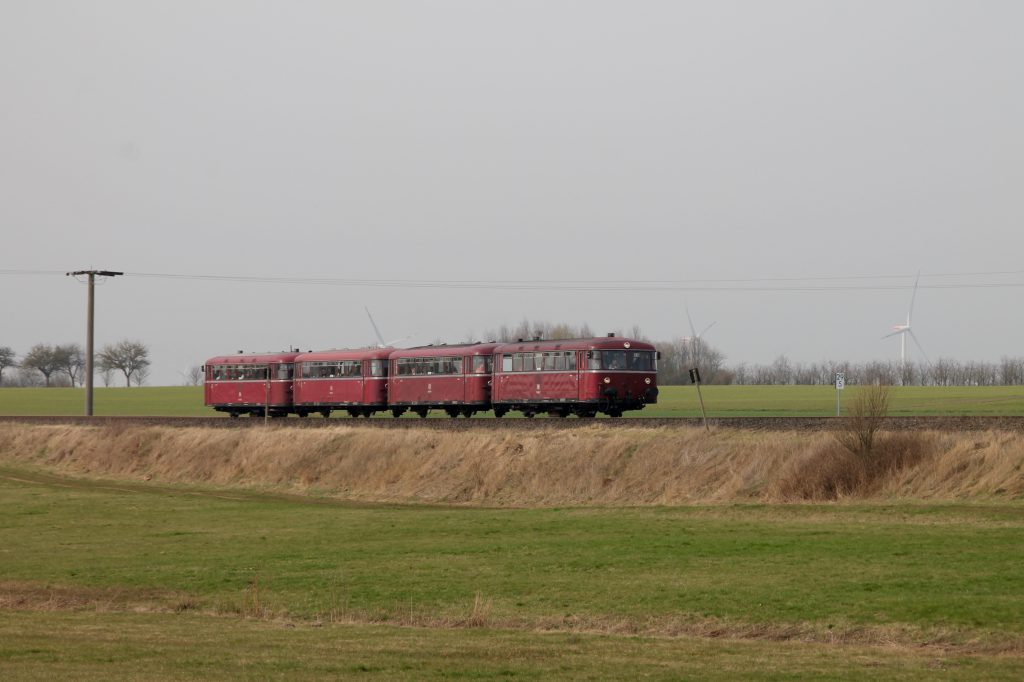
582, 466
675, 401
192, 553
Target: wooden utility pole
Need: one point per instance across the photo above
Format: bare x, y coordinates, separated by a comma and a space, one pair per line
89, 329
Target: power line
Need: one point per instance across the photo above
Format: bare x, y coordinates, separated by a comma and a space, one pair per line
758, 284
831, 283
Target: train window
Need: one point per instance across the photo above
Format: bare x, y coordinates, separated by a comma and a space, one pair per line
570, 358
482, 364
517, 362
377, 368
285, 371
506, 362
549, 360
641, 361
558, 360
528, 362
593, 359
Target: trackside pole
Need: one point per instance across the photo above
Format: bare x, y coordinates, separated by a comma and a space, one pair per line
840, 384
695, 378
90, 327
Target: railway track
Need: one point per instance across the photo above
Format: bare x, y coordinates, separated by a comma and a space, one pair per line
941, 423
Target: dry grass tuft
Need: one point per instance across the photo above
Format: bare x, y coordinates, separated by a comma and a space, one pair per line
480, 616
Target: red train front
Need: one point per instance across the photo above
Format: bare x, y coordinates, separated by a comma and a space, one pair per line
353, 380
577, 376
249, 384
456, 379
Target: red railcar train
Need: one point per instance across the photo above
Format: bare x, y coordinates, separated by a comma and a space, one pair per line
250, 384
353, 380
577, 376
580, 377
456, 379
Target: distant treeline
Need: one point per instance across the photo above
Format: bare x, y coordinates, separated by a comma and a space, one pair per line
64, 364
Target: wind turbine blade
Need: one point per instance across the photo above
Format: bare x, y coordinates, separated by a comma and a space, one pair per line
404, 338
707, 328
376, 331
900, 331
910, 311
689, 319
918, 344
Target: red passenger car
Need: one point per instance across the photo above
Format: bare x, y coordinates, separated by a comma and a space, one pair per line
239, 384
456, 379
354, 380
577, 376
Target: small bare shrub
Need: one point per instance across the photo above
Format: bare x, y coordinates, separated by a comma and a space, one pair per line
866, 416
834, 471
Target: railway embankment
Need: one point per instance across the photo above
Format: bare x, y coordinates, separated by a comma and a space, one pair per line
507, 467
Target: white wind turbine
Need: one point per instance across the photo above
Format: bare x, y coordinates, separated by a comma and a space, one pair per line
382, 343
695, 339
904, 330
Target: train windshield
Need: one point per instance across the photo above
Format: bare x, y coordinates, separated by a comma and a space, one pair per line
482, 364
630, 360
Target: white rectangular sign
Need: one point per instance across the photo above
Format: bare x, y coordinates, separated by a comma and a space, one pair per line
840, 381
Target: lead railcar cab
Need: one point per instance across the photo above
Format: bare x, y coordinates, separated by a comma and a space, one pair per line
576, 376
250, 384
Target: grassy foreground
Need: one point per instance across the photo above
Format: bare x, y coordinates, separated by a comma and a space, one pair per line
106, 580
675, 401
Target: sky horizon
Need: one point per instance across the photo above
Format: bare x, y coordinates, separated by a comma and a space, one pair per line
785, 170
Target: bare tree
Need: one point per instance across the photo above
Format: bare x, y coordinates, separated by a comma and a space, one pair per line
194, 375
41, 358
7, 359
70, 359
866, 416
131, 358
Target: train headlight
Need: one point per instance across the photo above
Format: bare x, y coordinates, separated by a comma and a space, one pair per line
647, 380
607, 380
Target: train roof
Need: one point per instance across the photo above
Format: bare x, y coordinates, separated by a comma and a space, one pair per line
595, 343
346, 354
443, 350
252, 358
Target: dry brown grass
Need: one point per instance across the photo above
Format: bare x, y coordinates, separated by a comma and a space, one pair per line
507, 468
27, 596
835, 471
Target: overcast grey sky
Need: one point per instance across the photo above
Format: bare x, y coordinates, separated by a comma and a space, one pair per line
513, 141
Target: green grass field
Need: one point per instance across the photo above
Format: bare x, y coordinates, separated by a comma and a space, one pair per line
675, 401
628, 591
